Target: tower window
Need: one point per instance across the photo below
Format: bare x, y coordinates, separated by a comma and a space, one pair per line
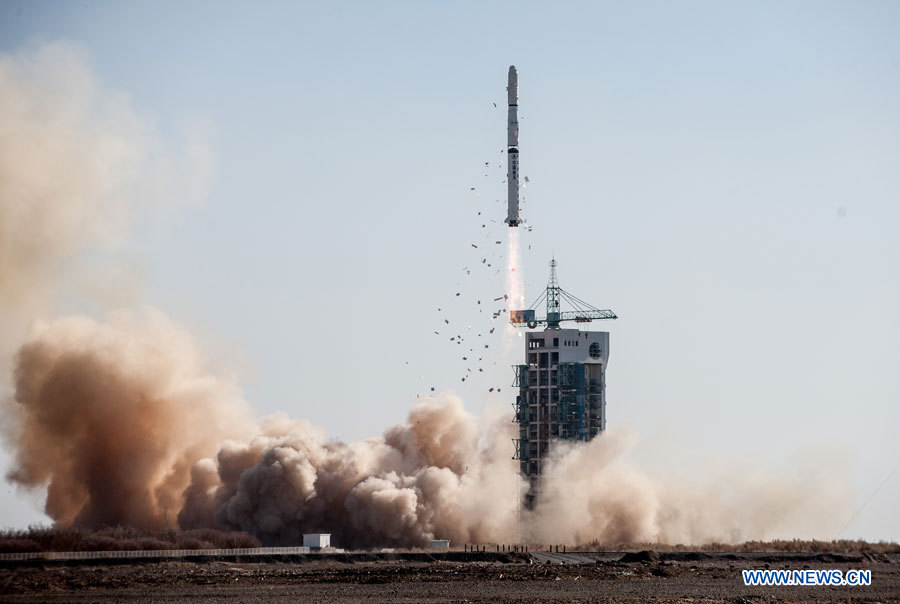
595, 351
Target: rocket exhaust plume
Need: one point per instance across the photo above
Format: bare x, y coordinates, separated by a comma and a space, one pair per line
125, 421
515, 291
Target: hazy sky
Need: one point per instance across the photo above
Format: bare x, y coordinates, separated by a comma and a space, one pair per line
725, 176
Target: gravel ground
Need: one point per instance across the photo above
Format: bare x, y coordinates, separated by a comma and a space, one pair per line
682, 577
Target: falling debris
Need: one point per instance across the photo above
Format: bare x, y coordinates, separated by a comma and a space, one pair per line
526, 179
447, 321
437, 333
498, 242
475, 246
457, 293
490, 390
473, 188
498, 299
492, 329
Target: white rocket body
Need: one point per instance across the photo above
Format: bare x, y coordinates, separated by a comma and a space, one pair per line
512, 151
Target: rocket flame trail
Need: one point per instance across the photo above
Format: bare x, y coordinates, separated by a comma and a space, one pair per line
514, 288
515, 291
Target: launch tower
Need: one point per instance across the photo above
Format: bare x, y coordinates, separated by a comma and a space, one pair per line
562, 384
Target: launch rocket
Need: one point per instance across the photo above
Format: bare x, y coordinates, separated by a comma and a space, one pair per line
512, 151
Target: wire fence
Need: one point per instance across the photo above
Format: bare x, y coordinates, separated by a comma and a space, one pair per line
156, 553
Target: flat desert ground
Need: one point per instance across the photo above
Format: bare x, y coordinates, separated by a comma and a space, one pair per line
443, 577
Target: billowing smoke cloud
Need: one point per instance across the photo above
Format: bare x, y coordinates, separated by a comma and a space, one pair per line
126, 422
121, 421
590, 494
426, 478
76, 163
112, 417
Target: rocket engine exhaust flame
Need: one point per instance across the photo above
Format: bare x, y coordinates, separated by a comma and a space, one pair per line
126, 421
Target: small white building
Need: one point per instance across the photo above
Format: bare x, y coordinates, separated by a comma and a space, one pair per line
440, 544
317, 540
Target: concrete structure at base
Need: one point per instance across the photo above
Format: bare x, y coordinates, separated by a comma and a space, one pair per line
562, 384
317, 540
439, 544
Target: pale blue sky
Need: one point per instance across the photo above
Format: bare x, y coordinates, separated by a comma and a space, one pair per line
723, 175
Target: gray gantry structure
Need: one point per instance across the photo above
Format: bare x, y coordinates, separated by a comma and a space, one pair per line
562, 384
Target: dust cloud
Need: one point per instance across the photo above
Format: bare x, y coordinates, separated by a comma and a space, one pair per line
77, 165
112, 417
126, 422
